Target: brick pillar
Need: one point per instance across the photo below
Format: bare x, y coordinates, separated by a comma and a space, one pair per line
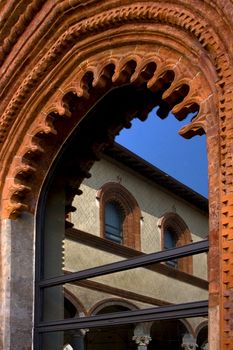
226, 223
214, 237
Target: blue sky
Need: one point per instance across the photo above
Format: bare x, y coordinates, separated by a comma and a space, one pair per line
158, 142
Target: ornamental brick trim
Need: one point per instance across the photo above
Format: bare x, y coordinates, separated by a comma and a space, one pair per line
164, 14
91, 82
22, 18
115, 192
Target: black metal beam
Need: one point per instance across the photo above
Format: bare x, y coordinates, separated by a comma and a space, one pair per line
145, 260
170, 312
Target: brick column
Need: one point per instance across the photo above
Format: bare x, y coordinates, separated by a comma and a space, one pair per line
214, 237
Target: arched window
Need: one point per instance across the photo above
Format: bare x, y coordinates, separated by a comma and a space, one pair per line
60, 187
169, 241
175, 233
119, 215
114, 217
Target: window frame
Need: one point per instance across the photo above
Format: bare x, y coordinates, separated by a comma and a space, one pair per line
169, 232
173, 222
177, 311
119, 213
184, 310
115, 192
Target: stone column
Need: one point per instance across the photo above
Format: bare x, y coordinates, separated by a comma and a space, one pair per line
142, 341
142, 335
205, 346
189, 342
16, 282
78, 339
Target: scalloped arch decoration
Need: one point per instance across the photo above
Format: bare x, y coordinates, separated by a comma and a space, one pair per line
74, 98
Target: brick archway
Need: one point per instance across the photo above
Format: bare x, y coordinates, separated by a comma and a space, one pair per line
47, 90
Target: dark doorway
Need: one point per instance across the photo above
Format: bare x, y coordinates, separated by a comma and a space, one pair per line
167, 335
111, 338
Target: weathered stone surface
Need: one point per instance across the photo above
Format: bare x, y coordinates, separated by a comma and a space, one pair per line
17, 282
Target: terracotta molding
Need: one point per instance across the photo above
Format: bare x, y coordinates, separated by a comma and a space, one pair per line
17, 29
98, 77
108, 19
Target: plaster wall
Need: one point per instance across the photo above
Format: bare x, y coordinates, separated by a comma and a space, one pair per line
140, 280
153, 201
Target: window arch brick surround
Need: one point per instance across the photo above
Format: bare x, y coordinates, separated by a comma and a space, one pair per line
115, 192
77, 303
95, 309
183, 236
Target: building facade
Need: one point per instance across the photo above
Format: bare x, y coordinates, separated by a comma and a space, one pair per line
123, 213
